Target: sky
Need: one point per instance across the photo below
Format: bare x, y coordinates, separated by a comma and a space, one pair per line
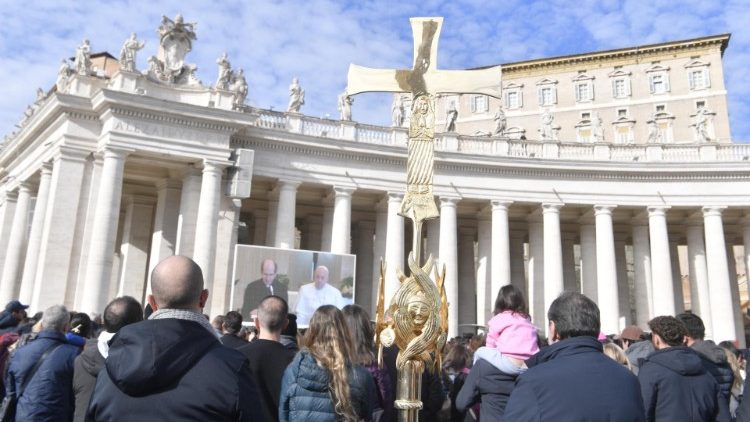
316, 40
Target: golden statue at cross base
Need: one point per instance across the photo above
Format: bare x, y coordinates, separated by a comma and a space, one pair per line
417, 317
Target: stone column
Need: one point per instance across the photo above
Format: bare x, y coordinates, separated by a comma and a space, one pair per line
364, 247
35, 236
342, 220
449, 257
535, 291
166, 221
381, 230
679, 298
553, 271
718, 275
11, 278
606, 270
570, 283
104, 231
517, 262
734, 289
394, 246
226, 239
642, 275
500, 246
136, 233
285, 223
59, 267
699, 289
204, 250
661, 265
485, 295
260, 223
327, 228
6, 222
588, 261
432, 243
467, 298
623, 285
190, 195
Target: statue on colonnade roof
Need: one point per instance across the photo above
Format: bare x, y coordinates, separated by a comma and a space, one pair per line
175, 41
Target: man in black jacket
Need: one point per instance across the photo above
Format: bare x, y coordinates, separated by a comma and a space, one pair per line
572, 380
172, 366
119, 312
713, 358
268, 284
269, 358
231, 327
674, 384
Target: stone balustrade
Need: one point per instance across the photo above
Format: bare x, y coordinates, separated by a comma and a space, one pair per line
503, 147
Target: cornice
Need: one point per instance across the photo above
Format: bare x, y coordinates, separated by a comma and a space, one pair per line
170, 119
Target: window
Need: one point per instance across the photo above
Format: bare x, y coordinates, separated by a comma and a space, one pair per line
700, 104
547, 92
513, 96
661, 108
620, 83
479, 104
619, 89
512, 99
585, 116
584, 91
697, 73
622, 112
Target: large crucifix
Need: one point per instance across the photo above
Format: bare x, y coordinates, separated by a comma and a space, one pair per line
418, 321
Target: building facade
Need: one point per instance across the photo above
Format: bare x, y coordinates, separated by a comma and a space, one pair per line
113, 171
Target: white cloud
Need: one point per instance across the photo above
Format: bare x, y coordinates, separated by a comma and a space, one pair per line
317, 39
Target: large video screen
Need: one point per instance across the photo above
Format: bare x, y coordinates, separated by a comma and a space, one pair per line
306, 279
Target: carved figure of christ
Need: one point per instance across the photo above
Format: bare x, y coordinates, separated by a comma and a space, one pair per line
424, 81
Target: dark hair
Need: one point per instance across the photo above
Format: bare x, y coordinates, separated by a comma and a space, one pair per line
362, 333
457, 358
510, 298
120, 312
80, 324
670, 329
728, 345
291, 327
575, 315
232, 322
272, 312
693, 324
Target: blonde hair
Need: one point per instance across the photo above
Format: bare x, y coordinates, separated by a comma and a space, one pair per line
329, 342
617, 354
735, 365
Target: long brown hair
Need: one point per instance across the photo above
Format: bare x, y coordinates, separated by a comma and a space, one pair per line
362, 334
329, 342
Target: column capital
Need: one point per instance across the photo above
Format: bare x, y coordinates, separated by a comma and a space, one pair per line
216, 167
657, 210
343, 191
191, 170
46, 169
551, 207
115, 152
604, 209
25, 186
287, 184
70, 153
11, 195
449, 201
395, 196
500, 204
713, 210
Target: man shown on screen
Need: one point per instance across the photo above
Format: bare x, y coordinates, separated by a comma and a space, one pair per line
266, 285
316, 294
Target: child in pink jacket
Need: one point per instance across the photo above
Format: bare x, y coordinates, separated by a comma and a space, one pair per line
511, 337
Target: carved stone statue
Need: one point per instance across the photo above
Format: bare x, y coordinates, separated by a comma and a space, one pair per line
501, 122
239, 87
450, 119
296, 97
82, 63
654, 136
175, 41
128, 52
62, 76
345, 106
418, 201
547, 132
597, 132
700, 124
397, 111
225, 72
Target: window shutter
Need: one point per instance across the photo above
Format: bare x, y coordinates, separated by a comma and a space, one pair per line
520, 98
614, 88
553, 94
506, 103
473, 104
486, 103
541, 97
591, 90
666, 82
706, 78
578, 92
651, 87
691, 79
627, 86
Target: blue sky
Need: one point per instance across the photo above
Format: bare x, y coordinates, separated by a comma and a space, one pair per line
315, 40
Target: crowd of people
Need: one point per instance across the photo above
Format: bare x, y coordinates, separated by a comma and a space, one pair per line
167, 361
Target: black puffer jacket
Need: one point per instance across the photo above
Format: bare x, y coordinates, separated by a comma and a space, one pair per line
715, 362
676, 387
173, 370
85, 369
489, 385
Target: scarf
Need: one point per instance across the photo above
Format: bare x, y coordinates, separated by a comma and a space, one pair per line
185, 315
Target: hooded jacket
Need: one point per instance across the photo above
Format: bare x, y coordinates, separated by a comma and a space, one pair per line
488, 385
85, 369
637, 352
572, 380
305, 391
715, 363
173, 369
676, 387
